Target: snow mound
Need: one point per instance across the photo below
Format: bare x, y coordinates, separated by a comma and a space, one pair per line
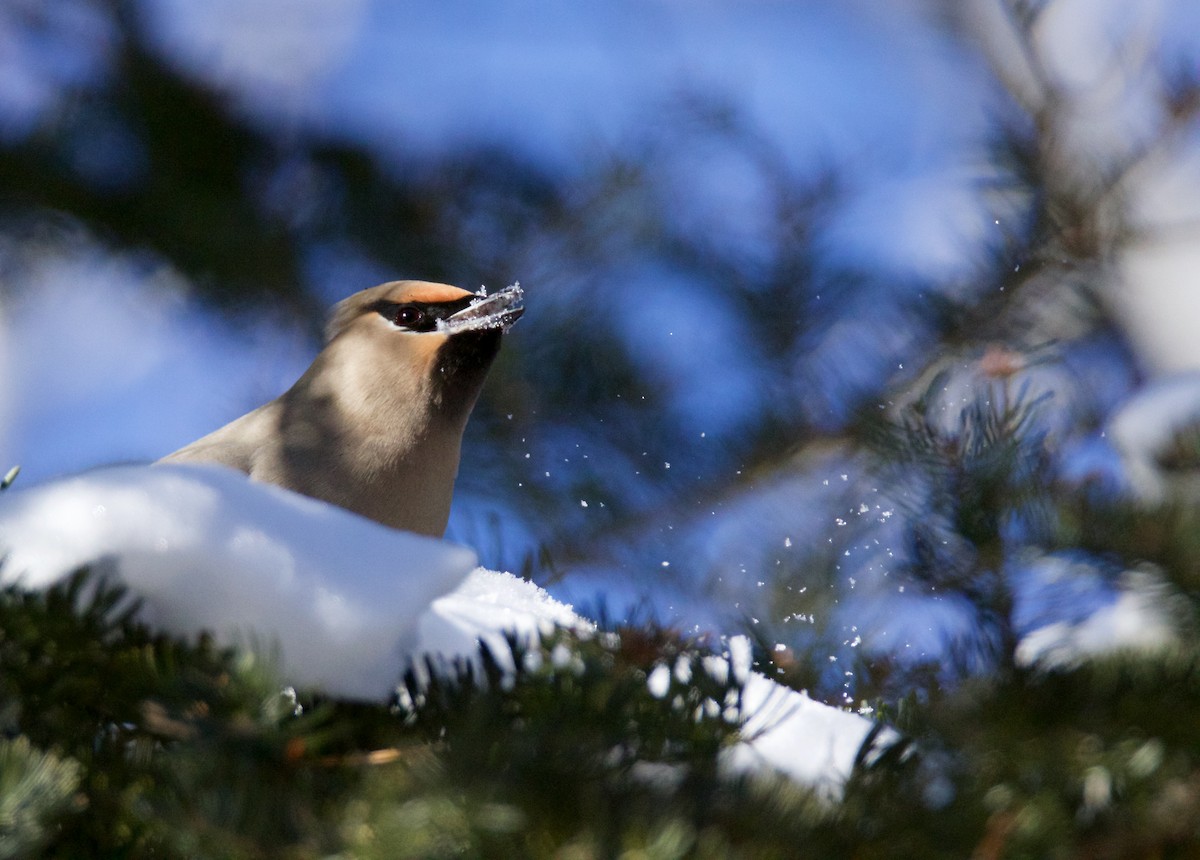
207, 548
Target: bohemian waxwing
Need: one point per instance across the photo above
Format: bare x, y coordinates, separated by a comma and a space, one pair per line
376, 423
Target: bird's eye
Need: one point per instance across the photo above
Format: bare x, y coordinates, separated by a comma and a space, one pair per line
408, 316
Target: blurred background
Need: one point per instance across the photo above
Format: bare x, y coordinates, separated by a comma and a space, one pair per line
786, 264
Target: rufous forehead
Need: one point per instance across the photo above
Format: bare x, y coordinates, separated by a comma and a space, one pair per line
421, 291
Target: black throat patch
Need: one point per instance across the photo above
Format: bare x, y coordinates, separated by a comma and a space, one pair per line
462, 365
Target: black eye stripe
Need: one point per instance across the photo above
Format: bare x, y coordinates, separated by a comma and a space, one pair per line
419, 316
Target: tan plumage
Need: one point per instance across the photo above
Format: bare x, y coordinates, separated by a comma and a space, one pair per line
375, 424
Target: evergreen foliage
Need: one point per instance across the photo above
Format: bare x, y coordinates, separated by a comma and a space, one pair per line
123, 742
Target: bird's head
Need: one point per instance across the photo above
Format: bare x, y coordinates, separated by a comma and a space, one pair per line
441, 338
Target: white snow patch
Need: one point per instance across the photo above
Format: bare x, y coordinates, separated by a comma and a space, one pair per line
483, 609
787, 731
1135, 621
658, 682
209, 549
741, 657
1147, 423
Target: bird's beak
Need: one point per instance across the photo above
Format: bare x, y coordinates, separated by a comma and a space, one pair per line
499, 310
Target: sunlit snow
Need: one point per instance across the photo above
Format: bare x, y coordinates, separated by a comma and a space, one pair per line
206, 548
1134, 621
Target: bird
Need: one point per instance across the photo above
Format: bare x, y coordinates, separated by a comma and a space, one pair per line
375, 424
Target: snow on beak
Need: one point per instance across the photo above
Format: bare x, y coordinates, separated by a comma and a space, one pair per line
499, 310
